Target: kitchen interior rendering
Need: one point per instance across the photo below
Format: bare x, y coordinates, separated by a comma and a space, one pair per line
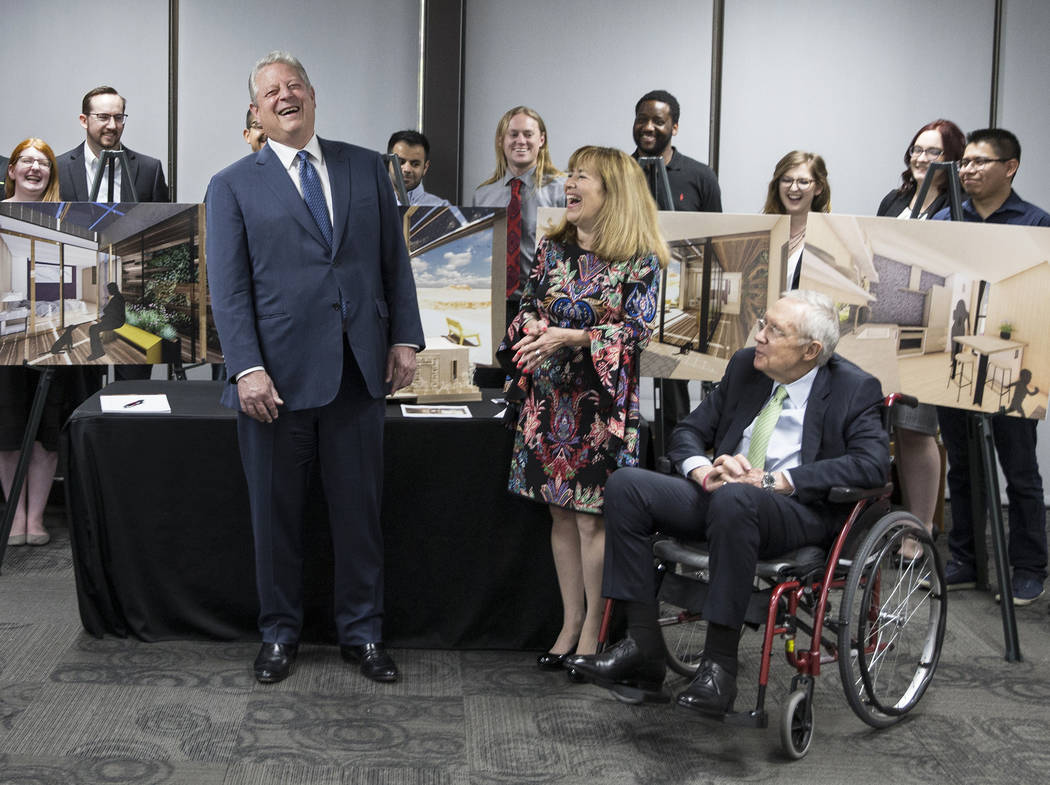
950, 313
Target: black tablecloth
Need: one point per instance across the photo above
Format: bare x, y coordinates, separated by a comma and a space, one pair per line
162, 541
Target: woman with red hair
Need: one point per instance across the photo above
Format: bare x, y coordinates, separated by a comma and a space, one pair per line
32, 176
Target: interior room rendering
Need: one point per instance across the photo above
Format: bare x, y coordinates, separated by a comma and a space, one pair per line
56, 261
950, 314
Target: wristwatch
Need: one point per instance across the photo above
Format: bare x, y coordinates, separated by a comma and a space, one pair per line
769, 482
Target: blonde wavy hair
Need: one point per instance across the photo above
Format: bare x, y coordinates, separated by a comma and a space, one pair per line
627, 225
545, 168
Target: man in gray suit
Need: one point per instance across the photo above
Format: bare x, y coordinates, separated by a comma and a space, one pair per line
103, 117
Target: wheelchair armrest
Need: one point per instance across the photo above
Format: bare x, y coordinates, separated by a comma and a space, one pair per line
663, 465
843, 494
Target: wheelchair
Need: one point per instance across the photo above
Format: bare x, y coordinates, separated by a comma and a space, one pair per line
859, 603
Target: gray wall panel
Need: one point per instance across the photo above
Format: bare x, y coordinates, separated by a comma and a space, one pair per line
1023, 104
362, 58
851, 81
582, 66
58, 56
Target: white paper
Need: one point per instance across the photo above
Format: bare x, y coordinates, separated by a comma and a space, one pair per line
423, 410
135, 404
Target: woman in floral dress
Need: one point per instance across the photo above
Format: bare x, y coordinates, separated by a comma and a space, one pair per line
586, 313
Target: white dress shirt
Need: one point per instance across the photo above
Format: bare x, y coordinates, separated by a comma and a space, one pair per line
91, 162
784, 451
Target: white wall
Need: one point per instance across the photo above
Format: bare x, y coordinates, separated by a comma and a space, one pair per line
362, 58
851, 81
53, 55
1023, 105
582, 66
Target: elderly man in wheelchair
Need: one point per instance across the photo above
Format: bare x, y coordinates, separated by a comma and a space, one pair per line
789, 421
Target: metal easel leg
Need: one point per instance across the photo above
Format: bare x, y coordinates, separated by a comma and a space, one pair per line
35, 414
995, 517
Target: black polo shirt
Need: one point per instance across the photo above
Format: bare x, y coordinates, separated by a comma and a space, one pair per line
694, 187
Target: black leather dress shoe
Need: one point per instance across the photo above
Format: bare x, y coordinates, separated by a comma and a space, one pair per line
553, 662
622, 664
373, 659
711, 692
274, 662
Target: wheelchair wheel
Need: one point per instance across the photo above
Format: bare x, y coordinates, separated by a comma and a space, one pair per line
891, 621
683, 632
682, 629
796, 724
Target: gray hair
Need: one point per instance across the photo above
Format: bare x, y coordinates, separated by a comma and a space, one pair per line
276, 56
820, 320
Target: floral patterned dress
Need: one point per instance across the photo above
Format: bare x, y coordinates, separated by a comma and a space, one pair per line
579, 415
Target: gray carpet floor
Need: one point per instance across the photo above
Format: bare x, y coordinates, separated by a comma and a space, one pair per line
75, 709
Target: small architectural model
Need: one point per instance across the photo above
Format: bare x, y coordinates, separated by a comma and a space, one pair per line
442, 374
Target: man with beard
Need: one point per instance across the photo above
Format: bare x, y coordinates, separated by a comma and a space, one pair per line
103, 118
413, 154
694, 188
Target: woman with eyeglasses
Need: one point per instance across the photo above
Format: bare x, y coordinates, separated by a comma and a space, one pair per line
799, 186
32, 176
935, 142
918, 457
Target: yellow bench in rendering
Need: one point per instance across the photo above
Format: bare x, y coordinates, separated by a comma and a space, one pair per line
147, 342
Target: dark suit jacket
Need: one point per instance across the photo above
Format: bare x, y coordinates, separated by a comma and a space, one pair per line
843, 440
3, 170
275, 284
146, 173
893, 203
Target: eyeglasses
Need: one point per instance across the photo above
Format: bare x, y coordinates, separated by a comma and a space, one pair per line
931, 152
255, 126
802, 182
979, 163
28, 162
105, 117
774, 332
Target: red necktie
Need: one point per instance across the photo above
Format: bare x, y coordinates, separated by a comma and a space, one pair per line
514, 237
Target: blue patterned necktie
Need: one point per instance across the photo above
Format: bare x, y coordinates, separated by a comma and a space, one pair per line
313, 195
765, 424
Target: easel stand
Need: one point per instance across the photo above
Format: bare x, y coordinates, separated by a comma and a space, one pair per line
655, 171
35, 413
984, 479
394, 165
108, 159
984, 495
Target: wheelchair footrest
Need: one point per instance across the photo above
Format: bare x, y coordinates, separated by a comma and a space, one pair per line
748, 719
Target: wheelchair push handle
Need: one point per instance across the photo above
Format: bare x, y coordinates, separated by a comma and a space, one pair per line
900, 399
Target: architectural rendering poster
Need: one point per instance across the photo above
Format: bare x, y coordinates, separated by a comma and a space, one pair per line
88, 283
461, 292
724, 272
952, 313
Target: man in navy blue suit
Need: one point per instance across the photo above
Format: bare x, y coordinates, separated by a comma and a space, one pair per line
316, 309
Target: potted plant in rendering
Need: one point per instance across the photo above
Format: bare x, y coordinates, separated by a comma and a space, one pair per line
1005, 330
